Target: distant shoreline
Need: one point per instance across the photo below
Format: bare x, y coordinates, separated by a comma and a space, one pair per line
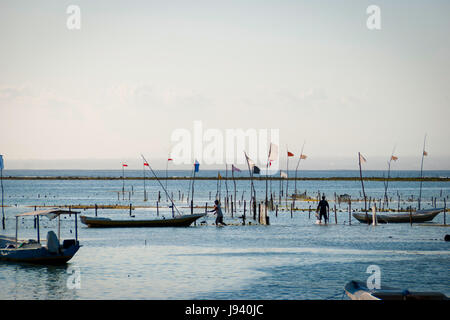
430, 179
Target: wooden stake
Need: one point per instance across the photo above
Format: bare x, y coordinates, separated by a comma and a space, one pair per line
350, 212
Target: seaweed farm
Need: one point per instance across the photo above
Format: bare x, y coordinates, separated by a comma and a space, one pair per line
290, 257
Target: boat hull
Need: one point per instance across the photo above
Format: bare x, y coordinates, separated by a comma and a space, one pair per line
358, 290
182, 221
417, 216
38, 255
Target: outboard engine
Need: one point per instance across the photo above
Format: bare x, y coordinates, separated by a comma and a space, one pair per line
52, 242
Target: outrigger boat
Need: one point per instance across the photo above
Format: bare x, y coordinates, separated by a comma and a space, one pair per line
32, 251
358, 290
180, 221
406, 217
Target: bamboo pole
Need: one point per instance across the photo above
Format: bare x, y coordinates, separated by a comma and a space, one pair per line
421, 171
298, 163
349, 212
362, 183
1, 183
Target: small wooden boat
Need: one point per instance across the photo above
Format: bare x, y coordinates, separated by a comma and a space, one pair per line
32, 251
405, 217
358, 290
180, 221
300, 196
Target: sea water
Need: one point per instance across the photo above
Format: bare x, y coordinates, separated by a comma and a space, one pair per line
292, 258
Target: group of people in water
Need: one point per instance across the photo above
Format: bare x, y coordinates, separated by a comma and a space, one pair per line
322, 211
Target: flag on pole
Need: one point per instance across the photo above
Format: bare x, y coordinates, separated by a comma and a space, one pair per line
394, 158
361, 158
124, 165
235, 169
273, 153
425, 153
170, 159
196, 166
146, 164
256, 170
283, 174
249, 161
290, 154
303, 156
1, 162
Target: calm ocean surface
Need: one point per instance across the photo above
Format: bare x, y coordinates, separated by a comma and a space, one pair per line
290, 259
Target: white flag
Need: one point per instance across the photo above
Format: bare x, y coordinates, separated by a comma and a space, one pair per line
249, 161
273, 154
361, 158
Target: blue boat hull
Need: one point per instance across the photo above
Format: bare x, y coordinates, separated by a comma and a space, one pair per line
39, 255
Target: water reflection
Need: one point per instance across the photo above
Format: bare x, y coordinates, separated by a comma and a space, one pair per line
36, 282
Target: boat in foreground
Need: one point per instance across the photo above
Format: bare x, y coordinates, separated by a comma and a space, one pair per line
406, 217
180, 221
358, 290
32, 251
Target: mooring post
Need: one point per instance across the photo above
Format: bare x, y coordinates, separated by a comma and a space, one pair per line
276, 211
410, 215
292, 209
243, 216
130, 209
192, 206
350, 213
259, 212
95, 209
34, 218
232, 206
157, 208
309, 212
38, 235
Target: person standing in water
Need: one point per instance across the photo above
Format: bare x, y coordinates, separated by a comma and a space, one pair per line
217, 210
324, 209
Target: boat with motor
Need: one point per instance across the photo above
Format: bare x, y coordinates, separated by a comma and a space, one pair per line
33, 251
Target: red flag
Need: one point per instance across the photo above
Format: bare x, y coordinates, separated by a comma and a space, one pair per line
124, 165
233, 168
394, 158
170, 159
425, 153
146, 164
290, 154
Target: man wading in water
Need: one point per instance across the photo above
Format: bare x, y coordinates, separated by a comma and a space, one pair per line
324, 209
217, 210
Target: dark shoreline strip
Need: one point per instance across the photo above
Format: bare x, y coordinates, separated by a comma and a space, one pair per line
429, 179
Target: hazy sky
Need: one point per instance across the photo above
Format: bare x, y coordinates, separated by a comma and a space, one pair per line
138, 70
